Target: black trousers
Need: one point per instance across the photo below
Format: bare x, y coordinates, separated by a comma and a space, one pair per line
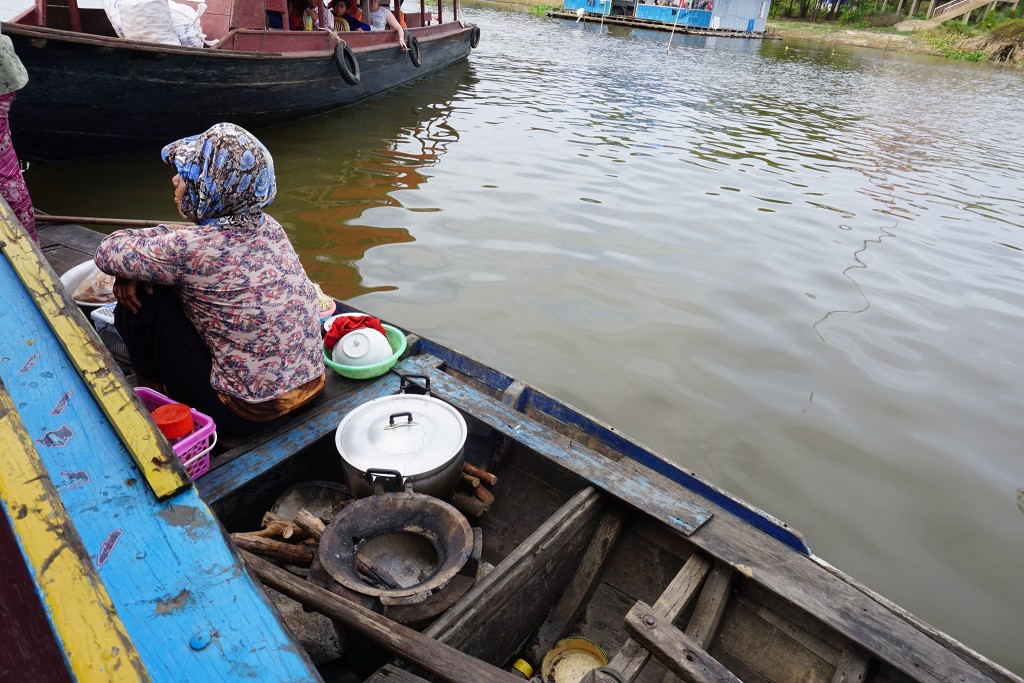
164, 347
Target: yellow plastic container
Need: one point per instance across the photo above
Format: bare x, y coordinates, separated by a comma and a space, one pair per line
570, 659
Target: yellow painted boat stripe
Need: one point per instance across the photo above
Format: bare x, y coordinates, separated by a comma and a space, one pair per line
88, 627
156, 460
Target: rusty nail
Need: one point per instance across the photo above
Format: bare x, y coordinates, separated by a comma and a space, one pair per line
650, 621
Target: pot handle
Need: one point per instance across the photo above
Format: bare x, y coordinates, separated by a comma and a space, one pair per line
392, 425
405, 386
373, 472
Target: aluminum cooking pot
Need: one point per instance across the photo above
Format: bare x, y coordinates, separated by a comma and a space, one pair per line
404, 438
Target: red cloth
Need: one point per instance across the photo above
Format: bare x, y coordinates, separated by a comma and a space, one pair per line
344, 324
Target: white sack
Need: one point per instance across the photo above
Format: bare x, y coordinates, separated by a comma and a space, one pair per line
148, 20
113, 10
186, 23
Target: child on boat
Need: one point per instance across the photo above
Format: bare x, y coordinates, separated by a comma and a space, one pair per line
381, 19
310, 16
220, 314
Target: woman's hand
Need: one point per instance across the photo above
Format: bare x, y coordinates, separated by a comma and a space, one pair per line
126, 293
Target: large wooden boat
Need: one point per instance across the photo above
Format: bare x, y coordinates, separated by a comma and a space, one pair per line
589, 534
91, 93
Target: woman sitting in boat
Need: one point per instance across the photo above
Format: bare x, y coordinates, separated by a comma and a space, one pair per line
219, 315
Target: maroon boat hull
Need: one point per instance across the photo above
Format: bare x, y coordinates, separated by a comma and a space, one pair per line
89, 95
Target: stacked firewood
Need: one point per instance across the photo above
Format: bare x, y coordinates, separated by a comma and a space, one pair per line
290, 541
293, 542
472, 498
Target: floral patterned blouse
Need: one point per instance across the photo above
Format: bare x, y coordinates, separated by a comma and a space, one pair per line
239, 278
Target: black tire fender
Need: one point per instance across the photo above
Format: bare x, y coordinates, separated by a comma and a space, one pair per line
474, 37
348, 65
414, 48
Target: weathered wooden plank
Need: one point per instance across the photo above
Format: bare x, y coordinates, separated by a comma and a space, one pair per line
656, 495
496, 615
707, 613
631, 658
71, 236
827, 594
63, 259
567, 609
757, 650
776, 610
151, 452
437, 658
853, 666
793, 629
710, 605
674, 649
93, 637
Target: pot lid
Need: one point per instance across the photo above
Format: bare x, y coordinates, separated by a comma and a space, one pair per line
412, 434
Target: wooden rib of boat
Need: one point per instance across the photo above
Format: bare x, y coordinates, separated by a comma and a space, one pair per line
590, 534
92, 93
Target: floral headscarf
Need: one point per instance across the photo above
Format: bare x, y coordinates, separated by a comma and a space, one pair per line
228, 174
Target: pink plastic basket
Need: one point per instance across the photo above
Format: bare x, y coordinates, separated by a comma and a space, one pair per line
194, 449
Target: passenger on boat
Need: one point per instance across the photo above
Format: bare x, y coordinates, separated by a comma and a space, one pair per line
344, 20
295, 15
311, 16
13, 77
354, 16
381, 19
220, 314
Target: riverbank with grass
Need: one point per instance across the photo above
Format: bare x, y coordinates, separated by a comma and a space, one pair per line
882, 38
997, 37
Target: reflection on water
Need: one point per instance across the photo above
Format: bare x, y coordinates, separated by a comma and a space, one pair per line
795, 269
386, 149
332, 170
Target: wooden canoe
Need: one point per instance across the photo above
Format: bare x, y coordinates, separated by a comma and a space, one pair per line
92, 93
589, 534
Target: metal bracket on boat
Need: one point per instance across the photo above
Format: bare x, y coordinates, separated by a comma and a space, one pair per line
407, 386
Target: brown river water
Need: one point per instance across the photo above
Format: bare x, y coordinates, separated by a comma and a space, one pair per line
795, 269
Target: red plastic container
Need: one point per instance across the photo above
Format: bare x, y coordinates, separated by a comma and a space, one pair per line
174, 420
193, 450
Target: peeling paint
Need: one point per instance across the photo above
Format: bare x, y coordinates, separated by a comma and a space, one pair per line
168, 605
188, 518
